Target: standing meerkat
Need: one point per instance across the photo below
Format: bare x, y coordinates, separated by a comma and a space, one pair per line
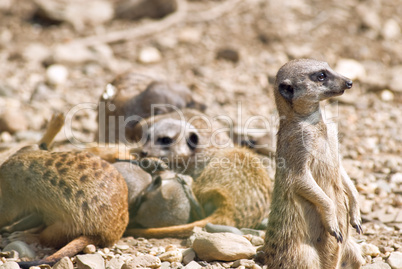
231, 184
125, 99
314, 200
81, 199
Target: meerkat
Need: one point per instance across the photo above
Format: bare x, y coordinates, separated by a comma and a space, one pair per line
313, 200
124, 103
81, 199
231, 184
183, 141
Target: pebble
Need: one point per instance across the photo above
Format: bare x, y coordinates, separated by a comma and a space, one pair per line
193, 265
391, 29
387, 96
370, 249
148, 55
188, 256
90, 261
190, 35
56, 74
143, 261
395, 260
22, 248
114, 263
171, 256
257, 241
350, 68
77, 13
10, 265
64, 263
254, 232
13, 120
72, 54
228, 54
222, 246
138, 9
89, 249
216, 228
243, 262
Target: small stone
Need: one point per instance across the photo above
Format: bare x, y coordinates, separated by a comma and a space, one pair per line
377, 265
171, 256
5, 137
10, 265
190, 35
143, 261
243, 262
122, 246
22, 248
222, 246
114, 263
13, 120
253, 232
64, 263
370, 249
391, 29
228, 54
188, 256
395, 260
193, 265
257, 241
89, 249
149, 55
215, 228
6, 4
56, 74
165, 265
90, 261
137, 9
387, 96
351, 69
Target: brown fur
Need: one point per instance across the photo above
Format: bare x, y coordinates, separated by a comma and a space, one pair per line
124, 99
80, 198
313, 200
233, 189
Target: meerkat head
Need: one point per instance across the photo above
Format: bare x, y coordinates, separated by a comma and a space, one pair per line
169, 139
301, 84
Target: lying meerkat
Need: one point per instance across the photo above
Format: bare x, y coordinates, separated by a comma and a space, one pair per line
182, 144
313, 200
124, 103
231, 184
80, 198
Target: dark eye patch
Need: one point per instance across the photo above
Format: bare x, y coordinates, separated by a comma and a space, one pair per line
164, 141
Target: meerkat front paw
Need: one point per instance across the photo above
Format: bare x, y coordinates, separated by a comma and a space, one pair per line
333, 227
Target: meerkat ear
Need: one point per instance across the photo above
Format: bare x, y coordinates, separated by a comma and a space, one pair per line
286, 90
192, 141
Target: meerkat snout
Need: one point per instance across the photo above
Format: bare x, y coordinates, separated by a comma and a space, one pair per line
349, 84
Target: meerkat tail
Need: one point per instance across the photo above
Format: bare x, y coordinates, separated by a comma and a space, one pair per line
178, 231
69, 250
54, 126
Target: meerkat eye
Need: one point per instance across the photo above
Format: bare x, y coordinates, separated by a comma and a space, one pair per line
164, 141
321, 76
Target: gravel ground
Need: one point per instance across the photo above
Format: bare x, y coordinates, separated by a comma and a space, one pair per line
360, 39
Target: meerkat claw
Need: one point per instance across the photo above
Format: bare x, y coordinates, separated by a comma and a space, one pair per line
338, 236
358, 228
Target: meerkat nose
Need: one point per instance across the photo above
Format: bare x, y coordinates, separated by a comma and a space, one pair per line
143, 154
349, 84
